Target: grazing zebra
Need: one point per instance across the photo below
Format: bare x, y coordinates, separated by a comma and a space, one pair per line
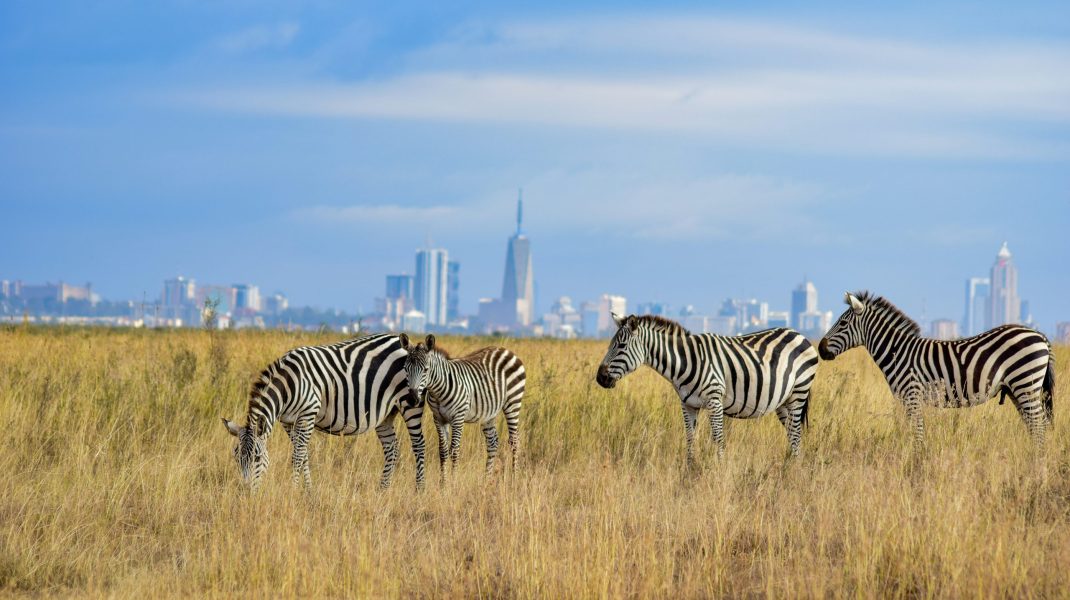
1008, 360
472, 389
744, 376
342, 389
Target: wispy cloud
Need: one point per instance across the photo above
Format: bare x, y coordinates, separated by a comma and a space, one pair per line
748, 83
375, 214
276, 35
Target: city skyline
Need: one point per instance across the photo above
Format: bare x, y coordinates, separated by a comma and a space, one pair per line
181, 302
705, 153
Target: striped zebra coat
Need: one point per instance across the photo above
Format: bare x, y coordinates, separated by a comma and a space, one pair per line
342, 389
476, 388
744, 376
1010, 360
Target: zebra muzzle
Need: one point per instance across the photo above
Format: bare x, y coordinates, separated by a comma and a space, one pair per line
823, 350
603, 378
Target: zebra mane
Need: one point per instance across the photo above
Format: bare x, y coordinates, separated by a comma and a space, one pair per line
439, 350
659, 323
899, 318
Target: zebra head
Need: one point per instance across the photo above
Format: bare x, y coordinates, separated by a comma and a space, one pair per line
848, 330
625, 352
251, 453
417, 364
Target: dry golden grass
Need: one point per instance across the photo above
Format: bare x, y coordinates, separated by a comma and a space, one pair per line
117, 479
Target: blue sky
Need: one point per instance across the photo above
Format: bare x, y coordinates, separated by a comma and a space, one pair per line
683, 153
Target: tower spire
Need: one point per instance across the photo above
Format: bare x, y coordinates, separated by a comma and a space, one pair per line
519, 210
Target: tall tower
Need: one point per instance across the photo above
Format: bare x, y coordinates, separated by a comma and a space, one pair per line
976, 318
1004, 304
518, 288
803, 301
430, 286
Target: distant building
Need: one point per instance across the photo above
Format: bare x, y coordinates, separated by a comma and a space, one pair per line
414, 321
944, 329
722, 325
518, 287
399, 286
696, 323
748, 315
589, 315
660, 309
453, 291
1004, 306
430, 288
609, 305
276, 303
803, 301
1062, 332
225, 295
563, 320
976, 317
246, 298
778, 319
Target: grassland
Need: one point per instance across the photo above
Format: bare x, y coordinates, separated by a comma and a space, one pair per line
117, 479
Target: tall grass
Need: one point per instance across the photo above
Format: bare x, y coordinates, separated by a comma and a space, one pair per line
117, 478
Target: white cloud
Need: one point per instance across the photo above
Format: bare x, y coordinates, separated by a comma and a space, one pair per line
746, 83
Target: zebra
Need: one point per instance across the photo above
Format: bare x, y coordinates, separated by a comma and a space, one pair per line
1008, 360
472, 389
343, 389
744, 376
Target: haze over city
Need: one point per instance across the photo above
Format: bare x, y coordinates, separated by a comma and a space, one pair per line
677, 154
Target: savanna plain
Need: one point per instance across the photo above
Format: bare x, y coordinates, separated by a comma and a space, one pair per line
117, 479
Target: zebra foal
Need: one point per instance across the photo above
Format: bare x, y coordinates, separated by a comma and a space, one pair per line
472, 389
1010, 360
343, 389
742, 376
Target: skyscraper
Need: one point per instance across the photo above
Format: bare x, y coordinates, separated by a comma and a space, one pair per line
803, 301
430, 287
1003, 303
518, 289
975, 320
398, 287
453, 290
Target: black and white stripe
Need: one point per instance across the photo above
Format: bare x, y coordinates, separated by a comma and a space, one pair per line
343, 389
472, 389
744, 376
1010, 360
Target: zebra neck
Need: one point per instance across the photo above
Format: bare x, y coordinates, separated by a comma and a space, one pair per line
263, 410
438, 372
884, 347
661, 353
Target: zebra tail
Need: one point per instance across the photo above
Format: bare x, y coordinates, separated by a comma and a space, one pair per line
1049, 388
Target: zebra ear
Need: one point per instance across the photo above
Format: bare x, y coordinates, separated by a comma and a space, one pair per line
404, 339
233, 428
430, 341
855, 303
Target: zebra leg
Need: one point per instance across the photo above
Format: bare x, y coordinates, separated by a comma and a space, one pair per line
490, 432
443, 448
716, 425
389, 439
299, 434
912, 402
790, 415
512, 422
456, 429
1032, 411
413, 413
690, 416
